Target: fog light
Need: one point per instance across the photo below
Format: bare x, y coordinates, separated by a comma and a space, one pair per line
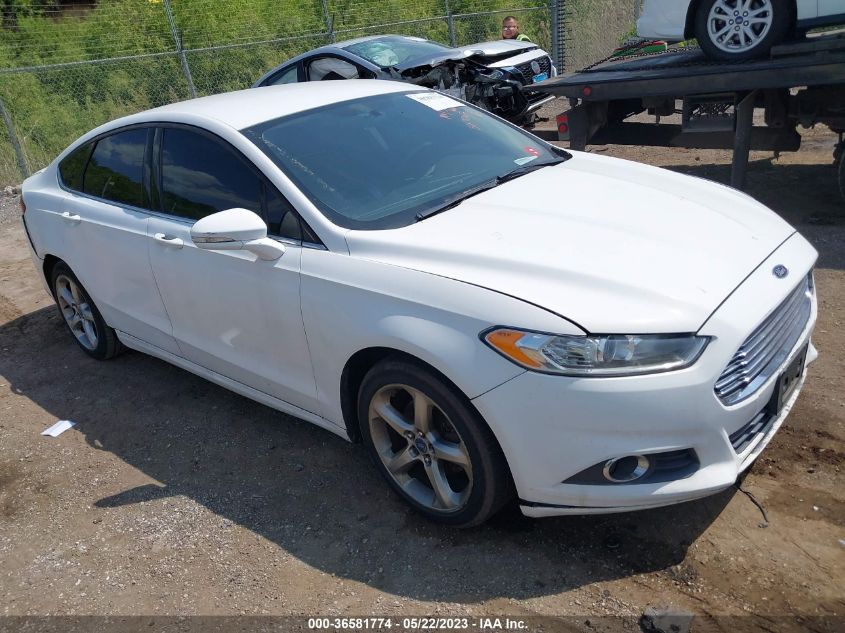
624, 469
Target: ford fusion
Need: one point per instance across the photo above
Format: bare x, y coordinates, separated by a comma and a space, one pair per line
494, 318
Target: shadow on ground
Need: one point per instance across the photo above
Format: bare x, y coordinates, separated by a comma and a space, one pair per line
313, 494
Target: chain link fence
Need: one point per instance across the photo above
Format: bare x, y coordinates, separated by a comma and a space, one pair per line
591, 29
69, 65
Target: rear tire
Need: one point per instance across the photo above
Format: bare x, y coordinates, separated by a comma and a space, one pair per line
735, 35
81, 315
431, 445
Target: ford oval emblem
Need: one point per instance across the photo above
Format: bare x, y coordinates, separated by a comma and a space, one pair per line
535, 66
780, 271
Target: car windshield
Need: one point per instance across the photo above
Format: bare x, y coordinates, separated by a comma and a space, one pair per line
389, 160
390, 51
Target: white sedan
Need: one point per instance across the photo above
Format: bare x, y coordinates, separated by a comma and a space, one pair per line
736, 29
493, 317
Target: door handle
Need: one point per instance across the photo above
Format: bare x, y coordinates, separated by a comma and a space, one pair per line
173, 242
67, 216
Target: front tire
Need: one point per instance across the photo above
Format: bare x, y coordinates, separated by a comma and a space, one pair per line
727, 30
81, 316
431, 445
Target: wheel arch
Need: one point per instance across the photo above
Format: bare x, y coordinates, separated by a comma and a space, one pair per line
47, 266
356, 368
689, 27
361, 362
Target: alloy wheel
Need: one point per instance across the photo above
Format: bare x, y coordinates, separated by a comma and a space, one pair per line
735, 26
420, 448
77, 312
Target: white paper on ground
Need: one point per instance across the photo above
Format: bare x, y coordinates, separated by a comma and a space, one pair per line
58, 428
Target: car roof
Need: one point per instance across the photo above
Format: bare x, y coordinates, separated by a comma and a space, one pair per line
337, 48
245, 108
367, 38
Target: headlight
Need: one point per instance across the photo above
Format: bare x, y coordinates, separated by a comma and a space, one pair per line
597, 355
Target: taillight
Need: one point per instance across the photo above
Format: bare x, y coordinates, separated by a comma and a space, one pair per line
563, 123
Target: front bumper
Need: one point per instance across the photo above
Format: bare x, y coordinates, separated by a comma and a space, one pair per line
553, 427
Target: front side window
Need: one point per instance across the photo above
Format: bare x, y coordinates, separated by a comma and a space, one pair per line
328, 68
116, 168
383, 161
282, 220
200, 176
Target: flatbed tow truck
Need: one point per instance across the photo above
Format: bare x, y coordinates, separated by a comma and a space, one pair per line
800, 83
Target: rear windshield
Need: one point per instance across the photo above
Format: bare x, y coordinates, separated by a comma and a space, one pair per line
382, 161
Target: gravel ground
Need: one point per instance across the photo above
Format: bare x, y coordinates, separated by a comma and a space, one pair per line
173, 496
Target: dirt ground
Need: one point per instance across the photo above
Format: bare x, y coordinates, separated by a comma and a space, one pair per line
173, 496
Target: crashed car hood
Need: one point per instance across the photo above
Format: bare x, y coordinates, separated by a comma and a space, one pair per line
498, 47
611, 245
483, 49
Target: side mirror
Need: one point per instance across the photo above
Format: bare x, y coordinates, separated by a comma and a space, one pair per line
235, 230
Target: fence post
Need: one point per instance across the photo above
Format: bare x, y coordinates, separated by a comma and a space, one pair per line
183, 59
329, 21
557, 8
450, 21
10, 126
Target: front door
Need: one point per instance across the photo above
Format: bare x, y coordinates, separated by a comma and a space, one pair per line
232, 313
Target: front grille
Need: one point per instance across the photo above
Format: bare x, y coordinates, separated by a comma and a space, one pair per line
743, 437
528, 73
767, 347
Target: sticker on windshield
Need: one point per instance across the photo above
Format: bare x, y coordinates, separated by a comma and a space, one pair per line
525, 159
434, 100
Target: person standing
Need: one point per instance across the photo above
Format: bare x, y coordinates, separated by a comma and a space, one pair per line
510, 30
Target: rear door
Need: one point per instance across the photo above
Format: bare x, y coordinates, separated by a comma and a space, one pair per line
232, 313
104, 221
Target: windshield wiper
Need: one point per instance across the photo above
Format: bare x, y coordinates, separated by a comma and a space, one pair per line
455, 200
527, 169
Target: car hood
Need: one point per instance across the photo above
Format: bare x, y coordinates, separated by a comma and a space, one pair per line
614, 246
497, 47
482, 49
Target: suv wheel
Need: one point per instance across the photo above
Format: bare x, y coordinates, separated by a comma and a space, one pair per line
733, 30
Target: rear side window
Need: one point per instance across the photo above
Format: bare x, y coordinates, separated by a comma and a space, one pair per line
72, 168
200, 176
116, 169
